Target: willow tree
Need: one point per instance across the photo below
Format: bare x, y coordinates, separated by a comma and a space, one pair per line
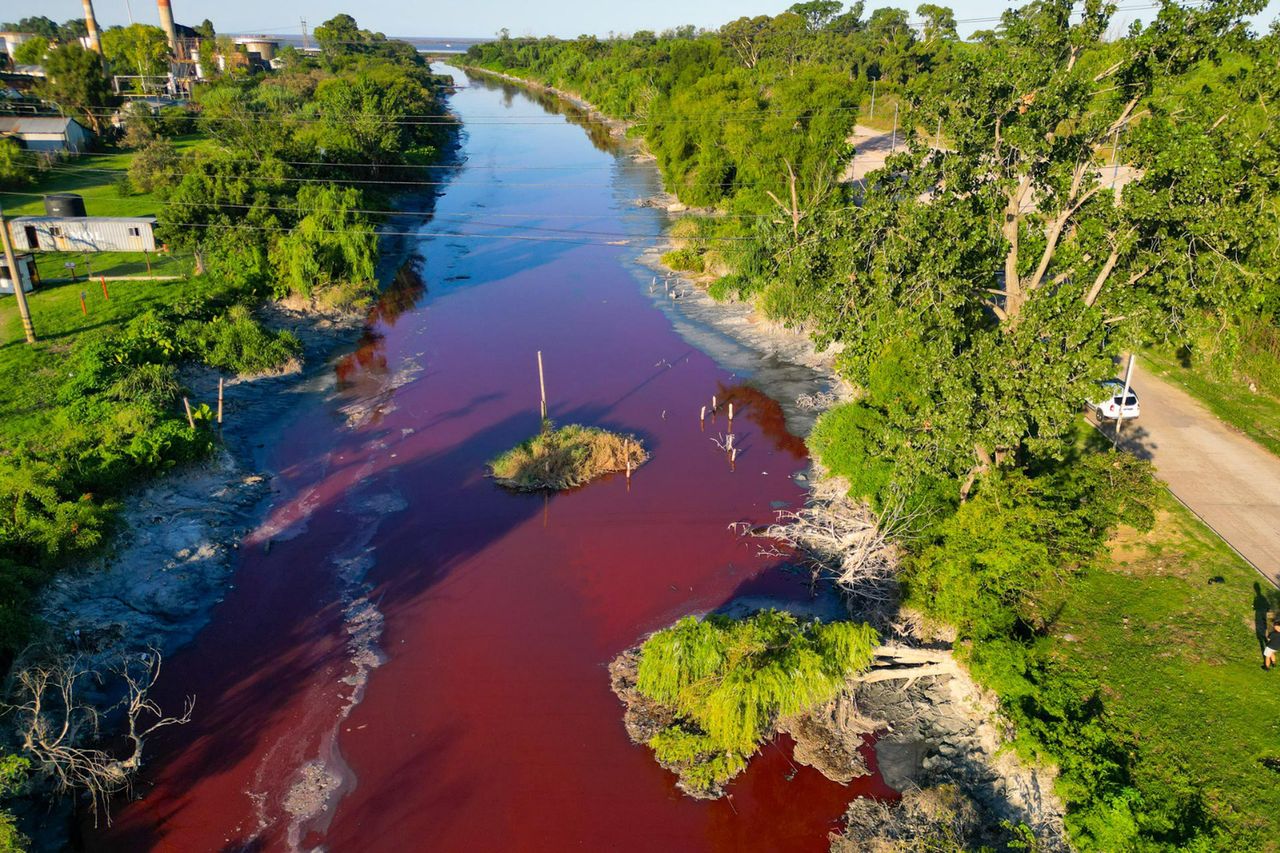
725, 682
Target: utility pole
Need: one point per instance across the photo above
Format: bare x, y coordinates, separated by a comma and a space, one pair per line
893, 143
873, 101
937, 137
1124, 397
16, 277
303, 21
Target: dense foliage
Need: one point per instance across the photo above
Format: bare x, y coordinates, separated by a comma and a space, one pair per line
981, 284
729, 680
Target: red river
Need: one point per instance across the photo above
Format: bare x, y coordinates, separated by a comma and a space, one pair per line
430, 650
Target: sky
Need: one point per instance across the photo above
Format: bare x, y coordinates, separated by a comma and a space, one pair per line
479, 18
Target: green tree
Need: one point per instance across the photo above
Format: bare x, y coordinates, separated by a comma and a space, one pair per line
32, 51
728, 681
333, 243
39, 25
74, 80
140, 48
817, 13
939, 21
72, 29
14, 166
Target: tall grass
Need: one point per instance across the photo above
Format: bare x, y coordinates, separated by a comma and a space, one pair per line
566, 457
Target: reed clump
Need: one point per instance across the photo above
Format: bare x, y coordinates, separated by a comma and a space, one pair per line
565, 457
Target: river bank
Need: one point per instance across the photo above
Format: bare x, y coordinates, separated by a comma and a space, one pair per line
934, 733
179, 538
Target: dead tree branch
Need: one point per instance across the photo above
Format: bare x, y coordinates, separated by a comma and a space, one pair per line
62, 732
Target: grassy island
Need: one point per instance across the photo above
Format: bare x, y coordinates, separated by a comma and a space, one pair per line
566, 457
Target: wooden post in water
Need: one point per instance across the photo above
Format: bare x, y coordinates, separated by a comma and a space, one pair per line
542, 386
713, 404
731, 413
219, 401
186, 404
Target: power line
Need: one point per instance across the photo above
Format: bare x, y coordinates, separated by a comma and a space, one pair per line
427, 215
373, 181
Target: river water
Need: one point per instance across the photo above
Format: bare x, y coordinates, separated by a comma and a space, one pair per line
413, 658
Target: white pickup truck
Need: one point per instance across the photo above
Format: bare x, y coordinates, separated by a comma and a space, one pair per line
1113, 404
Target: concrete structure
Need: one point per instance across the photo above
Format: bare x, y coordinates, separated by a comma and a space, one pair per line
91, 25
83, 233
166, 24
47, 133
26, 270
265, 48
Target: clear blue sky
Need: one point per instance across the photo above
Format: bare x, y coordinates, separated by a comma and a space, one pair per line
478, 17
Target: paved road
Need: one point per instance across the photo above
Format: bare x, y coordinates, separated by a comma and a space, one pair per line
1232, 483
871, 148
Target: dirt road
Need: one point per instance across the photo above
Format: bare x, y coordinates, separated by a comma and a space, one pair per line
1229, 481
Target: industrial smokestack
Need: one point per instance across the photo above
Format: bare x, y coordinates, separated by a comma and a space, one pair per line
91, 24
166, 24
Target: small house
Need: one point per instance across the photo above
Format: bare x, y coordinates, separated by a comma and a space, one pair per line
47, 133
83, 233
26, 270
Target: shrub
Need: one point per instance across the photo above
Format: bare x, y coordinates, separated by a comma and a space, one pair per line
566, 457
683, 260
239, 343
729, 680
155, 384
155, 166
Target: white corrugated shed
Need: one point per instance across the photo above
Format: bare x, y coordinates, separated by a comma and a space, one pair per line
47, 133
83, 233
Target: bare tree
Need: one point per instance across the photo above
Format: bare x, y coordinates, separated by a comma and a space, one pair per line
63, 732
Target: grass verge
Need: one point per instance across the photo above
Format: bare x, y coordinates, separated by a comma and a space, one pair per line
1167, 628
1255, 413
566, 457
52, 265
97, 178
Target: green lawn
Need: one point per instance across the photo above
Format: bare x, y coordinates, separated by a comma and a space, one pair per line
51, 265
86, 176
1169, 631
28, 373
1256, 414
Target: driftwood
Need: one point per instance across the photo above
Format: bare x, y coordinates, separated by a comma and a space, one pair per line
841, 537
895, 662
